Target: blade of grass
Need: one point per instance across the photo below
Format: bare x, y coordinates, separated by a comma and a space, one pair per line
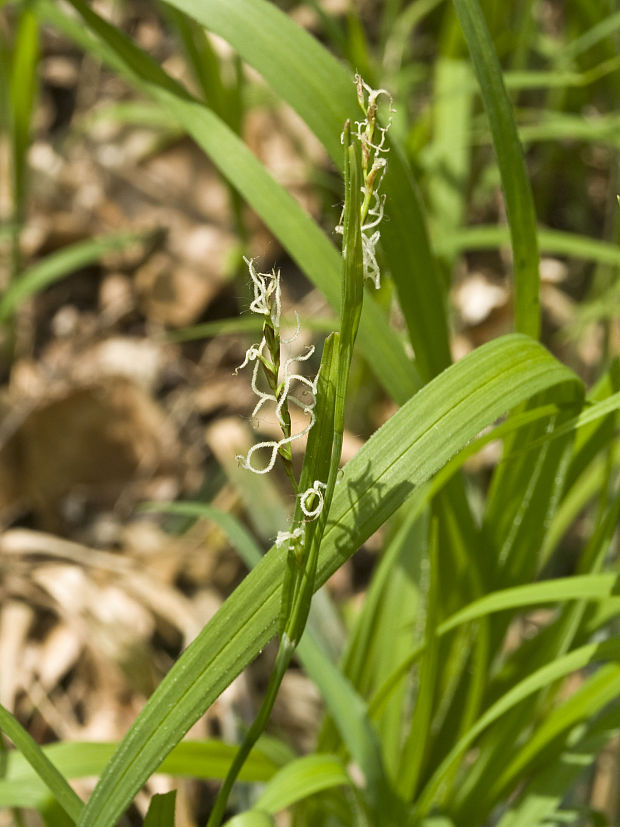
251, 818
605, 28
161, 810
583, 491
22, 92
594, 437
23, 786
382, 632
546, 791
300, 779
517, 190
550, 644
597, 411
523, 497
415, 749
238, 535
450, 149
57, 784
598, 587
552, 242
598, 691
559, 78
349, 712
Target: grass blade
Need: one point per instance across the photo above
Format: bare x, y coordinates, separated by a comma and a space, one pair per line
573, 661
552, 242
238, 535
359, 736
161, 810
599, 690
517, 190
547, 789
57, 784
300, 779
23, 786
22, 88
599, 588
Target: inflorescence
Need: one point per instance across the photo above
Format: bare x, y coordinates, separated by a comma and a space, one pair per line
374, 165
266, 354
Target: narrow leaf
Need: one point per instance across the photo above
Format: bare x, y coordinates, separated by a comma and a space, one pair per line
517, 190
300, 779
161, 810
56, 783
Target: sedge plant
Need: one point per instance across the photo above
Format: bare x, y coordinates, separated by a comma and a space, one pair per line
440, 709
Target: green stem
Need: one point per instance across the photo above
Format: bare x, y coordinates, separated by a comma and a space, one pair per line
283, 659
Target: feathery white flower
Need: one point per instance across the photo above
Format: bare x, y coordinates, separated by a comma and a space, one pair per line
267, 302
372, 150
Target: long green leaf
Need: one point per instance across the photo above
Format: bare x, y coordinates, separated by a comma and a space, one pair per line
418, 440
22, 89
517, 190
598, 587
239, 536
599, 690
547, 788
552, 242
23, 785
251, 818
359, 736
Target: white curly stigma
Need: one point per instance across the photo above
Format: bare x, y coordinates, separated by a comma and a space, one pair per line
266, 293
370, 240
316, 490
373, 149
285, 395
267, 302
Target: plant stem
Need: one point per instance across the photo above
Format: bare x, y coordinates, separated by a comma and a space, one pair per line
283, 659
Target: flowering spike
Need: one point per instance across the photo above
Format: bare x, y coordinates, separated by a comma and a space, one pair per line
373, 167
267, 303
